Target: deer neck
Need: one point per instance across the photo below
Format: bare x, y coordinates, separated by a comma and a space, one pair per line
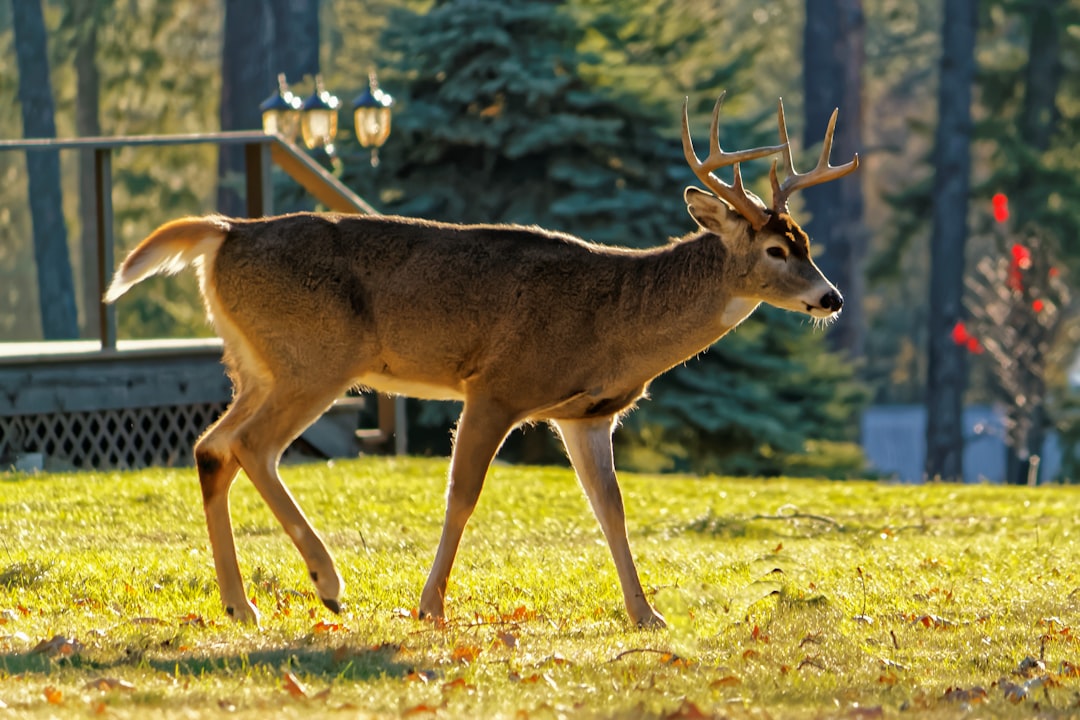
693, 292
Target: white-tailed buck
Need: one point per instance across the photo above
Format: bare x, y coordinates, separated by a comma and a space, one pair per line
521, 324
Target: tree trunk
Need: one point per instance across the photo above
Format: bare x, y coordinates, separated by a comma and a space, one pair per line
947, 369
833, 53
296, 39
87, 124
56, 290
1043, 74
246, 80
262, 39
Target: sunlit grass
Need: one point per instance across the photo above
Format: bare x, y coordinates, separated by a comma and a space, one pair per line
785, 598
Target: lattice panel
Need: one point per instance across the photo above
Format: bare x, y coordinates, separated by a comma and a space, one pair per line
113, 439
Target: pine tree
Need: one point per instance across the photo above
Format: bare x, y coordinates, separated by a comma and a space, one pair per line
502, 117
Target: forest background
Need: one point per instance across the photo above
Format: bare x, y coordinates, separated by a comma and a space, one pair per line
565, 115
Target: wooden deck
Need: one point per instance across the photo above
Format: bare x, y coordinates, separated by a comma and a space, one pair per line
142, 403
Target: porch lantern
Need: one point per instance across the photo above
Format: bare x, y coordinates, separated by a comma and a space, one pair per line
371, 117
281, 112
318, 118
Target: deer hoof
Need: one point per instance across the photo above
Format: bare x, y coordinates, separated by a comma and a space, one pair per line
652, 621
244, 613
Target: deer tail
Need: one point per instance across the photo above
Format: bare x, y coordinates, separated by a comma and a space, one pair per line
168, 250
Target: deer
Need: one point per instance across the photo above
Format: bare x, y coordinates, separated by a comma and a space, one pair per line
521, 324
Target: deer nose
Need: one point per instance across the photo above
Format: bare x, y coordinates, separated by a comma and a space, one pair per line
832, 300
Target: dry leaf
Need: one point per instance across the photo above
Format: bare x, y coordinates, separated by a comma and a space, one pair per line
325, 627
419, 709
508, 639
687, 711
52, 695
406, 613
971, 696
458, 684
465, 653
293, 686
726, 681
1013, 693
107, 683
58, 646
423, 676
1029, 666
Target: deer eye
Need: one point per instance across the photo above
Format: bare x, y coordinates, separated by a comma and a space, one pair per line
776, 252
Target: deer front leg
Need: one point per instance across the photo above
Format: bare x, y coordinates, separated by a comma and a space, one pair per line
480, 432
588, 443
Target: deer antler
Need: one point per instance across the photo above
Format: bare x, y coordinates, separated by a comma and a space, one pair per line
735, 194
824, 172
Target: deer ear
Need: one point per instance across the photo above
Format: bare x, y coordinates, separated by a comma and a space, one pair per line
712, 213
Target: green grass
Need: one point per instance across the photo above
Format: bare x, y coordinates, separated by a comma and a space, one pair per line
785, 598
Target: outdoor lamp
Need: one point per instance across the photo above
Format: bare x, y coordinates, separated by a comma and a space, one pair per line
318, 118
371, 117
281, 112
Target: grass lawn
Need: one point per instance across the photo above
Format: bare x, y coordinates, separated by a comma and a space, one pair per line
785, 599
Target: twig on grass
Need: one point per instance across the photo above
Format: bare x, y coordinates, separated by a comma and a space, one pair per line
671, 657
794, 514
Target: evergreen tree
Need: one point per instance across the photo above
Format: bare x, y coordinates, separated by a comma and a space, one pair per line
503, 118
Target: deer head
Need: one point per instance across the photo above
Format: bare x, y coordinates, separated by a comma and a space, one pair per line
770, 253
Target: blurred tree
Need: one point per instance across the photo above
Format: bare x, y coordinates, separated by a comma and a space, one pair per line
56, 290
947, 369
833, 55
247, 77
505, 118
261, 39
82, 21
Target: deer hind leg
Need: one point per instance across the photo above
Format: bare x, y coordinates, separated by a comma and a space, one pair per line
480, 432
588, 443
258, 445
217, 470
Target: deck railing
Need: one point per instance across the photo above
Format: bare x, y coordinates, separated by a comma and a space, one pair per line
261, 152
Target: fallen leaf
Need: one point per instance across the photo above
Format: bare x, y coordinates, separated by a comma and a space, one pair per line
1014, 693
423, 676
508, 639
726, 681
1029, 666
458, 684
293, 686
325, 627
1067, 669
52, 695
412, 613
465, 653
419, 709
971, 695
687, 711
107, 683
58, 646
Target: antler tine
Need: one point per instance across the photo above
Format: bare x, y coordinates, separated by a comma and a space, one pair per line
823, 172
735, 194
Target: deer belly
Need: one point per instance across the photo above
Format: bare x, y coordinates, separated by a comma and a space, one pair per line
409, 388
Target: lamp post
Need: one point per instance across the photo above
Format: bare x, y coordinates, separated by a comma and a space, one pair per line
316, 117
319, 119
281, 112
371, 117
